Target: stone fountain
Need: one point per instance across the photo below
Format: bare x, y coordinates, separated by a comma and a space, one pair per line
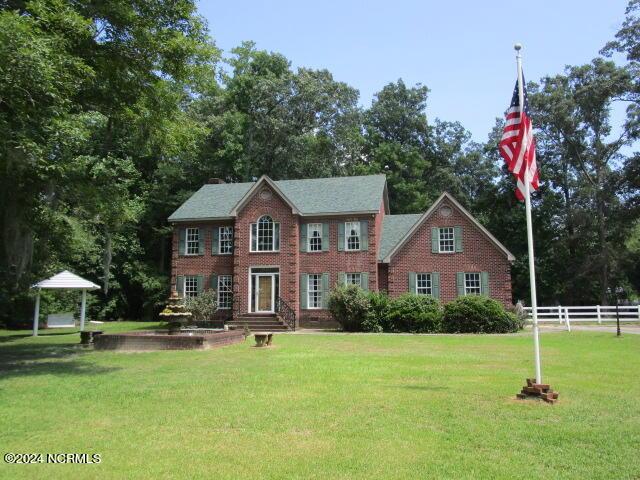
175, 313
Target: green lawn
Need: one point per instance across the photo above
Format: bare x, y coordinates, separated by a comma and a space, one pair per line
324, 406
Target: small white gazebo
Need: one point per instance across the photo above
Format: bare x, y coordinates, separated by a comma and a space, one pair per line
63, 280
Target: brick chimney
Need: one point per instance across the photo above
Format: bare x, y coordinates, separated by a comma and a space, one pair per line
215, 181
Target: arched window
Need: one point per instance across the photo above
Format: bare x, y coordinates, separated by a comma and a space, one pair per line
265, 235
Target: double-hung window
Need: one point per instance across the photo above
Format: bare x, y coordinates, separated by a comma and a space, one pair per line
314, 237
190, 286
225, 292
424, 285
265, 235
314, 291
446, 240
472, 285
352, 236
353, 279
192, 246
226, 240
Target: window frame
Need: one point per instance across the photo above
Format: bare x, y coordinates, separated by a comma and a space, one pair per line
225, 236
255, 236
317, 227
452, 239
353, 275
189, 232
227, 291
190, 288
429, 284
347, 231
315, 294
467, 279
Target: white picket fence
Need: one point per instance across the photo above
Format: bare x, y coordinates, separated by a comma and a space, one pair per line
594, 313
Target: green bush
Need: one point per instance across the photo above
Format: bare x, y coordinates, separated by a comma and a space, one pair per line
478, 314
377, 317
203, 307
414, 313
349, 306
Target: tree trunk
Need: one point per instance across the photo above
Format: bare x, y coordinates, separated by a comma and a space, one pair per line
106, 260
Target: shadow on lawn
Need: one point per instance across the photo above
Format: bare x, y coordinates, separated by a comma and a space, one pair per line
33, 359
19, 336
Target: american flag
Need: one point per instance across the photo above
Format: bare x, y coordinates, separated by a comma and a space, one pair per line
518, 146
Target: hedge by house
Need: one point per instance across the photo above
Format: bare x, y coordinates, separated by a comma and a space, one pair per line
359, 311
478, 314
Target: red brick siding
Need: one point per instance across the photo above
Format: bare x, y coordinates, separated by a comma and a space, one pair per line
287, 259
479, 255
334, 261
205, 264
383, 277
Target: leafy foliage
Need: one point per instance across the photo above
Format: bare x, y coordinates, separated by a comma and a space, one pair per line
349, 306
113, 113
415, 313
478, 314
203, 306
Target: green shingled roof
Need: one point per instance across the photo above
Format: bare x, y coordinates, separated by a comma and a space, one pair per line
394, 228
311, 196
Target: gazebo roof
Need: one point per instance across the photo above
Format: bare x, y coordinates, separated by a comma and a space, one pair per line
66, 279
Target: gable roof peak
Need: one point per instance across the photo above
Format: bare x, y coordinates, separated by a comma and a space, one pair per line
429, 212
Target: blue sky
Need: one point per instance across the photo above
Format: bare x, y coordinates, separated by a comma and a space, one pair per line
463, 51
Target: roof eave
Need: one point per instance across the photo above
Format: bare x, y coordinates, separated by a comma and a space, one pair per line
200, 219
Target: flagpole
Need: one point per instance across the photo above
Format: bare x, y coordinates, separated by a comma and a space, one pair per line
527, 200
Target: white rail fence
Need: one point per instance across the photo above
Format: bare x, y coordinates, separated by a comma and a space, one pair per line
594, 313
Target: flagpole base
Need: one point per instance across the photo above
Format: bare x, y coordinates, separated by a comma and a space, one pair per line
537, 391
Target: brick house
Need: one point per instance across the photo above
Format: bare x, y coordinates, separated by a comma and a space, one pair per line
274, 249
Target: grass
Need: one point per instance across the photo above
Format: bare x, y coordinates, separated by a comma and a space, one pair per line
324, 406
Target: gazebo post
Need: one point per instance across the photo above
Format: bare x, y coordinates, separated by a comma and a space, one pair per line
83, 308
36, 315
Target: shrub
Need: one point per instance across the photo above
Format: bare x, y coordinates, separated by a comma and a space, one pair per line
414, 313
349, 306
377, 317
203, 307
478, 314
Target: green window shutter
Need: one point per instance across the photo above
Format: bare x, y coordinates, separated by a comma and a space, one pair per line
484, 283
325, 237
233, 238
304, 282
341, 236
180, 285
364, 281
325, 290
200, 280
200, 242
276, 240
434, 239
215, 241
213, 282
364, 235
460, 283
457, 234
412, 282
303, 237
435, 284
342, 278
182, 242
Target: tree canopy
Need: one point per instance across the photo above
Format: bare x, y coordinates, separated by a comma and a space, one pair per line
113, 113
